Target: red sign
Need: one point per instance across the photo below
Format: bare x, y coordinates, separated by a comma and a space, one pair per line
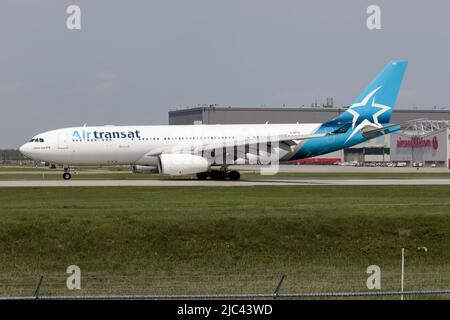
418, 143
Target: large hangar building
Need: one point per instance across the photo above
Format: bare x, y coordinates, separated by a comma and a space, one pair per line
426, 142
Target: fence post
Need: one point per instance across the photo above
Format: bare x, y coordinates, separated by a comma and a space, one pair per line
277, 290
403, 273
38, 287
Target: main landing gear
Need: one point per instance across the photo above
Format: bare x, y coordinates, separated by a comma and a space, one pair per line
219, 175
66, 174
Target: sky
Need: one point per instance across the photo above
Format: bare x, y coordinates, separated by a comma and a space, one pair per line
133, 61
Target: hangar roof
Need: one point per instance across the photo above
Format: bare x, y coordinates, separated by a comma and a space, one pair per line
216, 114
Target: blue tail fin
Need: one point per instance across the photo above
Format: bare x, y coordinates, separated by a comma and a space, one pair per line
372, 110
376, 102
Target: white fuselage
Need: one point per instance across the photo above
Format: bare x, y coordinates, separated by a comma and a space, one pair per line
141, 145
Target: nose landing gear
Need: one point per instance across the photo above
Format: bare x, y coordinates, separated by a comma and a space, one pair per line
66, 174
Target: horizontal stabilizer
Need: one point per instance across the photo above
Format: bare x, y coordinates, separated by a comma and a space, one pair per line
370, 132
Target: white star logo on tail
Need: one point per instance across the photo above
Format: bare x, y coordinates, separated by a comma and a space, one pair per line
366, 122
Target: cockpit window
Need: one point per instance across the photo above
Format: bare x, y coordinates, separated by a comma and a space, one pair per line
41, 140
32, 140
37, 140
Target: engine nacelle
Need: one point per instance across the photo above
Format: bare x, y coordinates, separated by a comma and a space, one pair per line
263, 158
179, 164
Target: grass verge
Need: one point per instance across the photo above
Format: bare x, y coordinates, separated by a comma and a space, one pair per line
197, 240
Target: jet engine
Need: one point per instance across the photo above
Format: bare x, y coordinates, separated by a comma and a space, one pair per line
179, 164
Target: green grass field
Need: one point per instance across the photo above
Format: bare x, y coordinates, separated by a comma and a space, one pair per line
162, 240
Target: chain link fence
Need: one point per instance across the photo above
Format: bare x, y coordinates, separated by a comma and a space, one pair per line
235, 284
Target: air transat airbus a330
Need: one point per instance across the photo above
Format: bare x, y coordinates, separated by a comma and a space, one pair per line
208, 150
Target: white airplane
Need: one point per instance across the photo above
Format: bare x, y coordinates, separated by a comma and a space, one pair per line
208, 150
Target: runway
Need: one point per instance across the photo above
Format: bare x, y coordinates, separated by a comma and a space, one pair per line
226, 183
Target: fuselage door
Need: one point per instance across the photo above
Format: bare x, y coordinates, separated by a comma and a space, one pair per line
62, 141
124, 143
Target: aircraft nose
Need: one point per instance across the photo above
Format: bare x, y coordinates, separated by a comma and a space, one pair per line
24, 149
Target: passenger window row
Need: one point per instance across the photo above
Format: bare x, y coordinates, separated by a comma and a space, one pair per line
165, 138
197, 138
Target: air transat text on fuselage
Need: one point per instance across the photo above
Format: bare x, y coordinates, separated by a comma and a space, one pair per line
87, 135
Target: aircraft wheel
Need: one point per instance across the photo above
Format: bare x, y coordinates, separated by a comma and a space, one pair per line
234, 175
218, 175
202, 175
67, 176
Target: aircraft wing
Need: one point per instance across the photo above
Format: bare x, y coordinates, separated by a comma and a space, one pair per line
287, 139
